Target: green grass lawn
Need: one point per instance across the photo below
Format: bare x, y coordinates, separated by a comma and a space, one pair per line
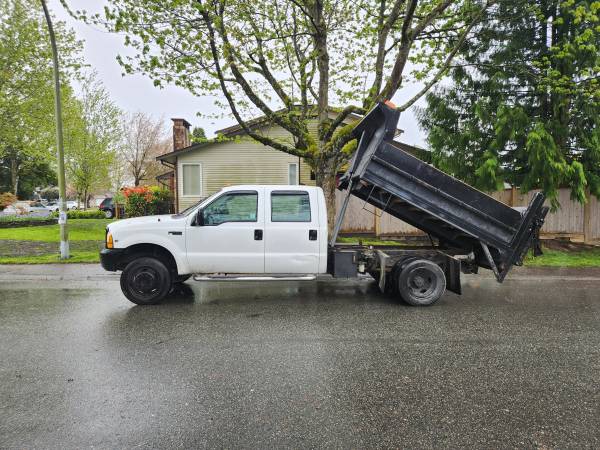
79, 230
558, 258
83, 231
75, 257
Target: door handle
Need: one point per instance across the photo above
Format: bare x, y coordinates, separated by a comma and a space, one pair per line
312, 235
258, 235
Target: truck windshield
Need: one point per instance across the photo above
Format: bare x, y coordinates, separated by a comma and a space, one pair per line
189, 209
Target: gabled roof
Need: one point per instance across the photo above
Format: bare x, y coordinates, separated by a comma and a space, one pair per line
236, 130
262, 120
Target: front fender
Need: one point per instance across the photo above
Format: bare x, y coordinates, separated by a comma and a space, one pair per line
177, 249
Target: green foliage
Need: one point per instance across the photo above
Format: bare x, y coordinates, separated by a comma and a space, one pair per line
524, 103
50, 193
558, 258
146, 201
7, 198
292, 62
27, 95
80, 214
198, 135
79, 230
92, 136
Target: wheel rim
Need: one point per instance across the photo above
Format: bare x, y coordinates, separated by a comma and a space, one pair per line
145, 282
421, 282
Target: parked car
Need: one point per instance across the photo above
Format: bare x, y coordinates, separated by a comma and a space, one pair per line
52, 206
34, 208
108, 207
72, 204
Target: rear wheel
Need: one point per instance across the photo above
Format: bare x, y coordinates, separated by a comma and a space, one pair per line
108, 213
146, 281
421, 283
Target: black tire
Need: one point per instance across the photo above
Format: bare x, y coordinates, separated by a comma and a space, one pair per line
108, 213
146, 281
421, 283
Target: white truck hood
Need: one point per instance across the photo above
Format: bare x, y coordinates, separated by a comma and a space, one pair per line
146, 221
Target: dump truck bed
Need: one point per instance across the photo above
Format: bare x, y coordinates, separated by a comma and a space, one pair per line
459, 216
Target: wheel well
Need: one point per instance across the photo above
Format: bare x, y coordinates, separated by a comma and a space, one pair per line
154, 250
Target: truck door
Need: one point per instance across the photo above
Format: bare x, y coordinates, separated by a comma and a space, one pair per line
292, 233
229, 237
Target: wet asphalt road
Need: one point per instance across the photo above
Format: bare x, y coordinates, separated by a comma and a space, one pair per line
325, 364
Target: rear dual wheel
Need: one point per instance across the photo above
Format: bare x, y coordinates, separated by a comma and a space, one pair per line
420, 282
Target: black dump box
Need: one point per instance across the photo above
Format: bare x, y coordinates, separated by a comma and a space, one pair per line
459, 216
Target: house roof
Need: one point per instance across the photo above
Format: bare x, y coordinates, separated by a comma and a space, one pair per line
261, 120
236, 130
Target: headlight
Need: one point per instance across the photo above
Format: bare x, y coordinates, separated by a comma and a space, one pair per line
109, 240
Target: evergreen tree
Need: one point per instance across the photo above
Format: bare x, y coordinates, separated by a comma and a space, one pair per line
523, 105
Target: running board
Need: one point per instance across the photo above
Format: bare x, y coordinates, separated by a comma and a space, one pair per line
253, 278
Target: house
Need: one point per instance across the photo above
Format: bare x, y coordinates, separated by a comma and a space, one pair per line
199, 170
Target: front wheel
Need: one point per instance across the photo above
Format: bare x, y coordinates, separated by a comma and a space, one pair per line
108, 213
421, 283
146, 281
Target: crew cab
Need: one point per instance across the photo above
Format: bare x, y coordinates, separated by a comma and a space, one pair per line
241, 230
280, 232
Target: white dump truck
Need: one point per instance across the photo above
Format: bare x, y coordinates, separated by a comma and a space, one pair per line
264, 233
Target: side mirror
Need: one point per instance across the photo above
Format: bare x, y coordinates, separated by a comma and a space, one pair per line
200, 218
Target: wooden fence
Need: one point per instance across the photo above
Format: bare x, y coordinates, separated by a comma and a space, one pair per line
573, 220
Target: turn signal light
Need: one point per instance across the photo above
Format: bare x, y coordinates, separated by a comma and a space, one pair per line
109, 241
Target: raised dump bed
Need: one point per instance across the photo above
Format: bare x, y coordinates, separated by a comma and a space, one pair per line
460, 217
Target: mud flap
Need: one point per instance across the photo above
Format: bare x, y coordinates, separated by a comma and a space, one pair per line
452, 272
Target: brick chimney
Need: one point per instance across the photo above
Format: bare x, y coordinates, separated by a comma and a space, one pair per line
181, 133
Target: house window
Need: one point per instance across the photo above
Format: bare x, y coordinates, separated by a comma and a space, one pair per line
290, 206
192, 180
293, 173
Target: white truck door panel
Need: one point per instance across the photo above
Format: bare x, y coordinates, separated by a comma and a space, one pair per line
292, 232
231, 239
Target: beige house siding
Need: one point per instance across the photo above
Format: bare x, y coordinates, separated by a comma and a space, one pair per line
242, 161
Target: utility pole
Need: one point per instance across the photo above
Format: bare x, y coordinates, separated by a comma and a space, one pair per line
62, 214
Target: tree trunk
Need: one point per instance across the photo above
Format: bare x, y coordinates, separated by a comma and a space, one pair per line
14, 175
325, 179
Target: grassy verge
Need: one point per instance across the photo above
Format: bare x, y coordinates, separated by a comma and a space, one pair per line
76, 257
561, 258
28, 252
79, 230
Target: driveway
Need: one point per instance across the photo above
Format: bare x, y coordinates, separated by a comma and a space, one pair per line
319, 364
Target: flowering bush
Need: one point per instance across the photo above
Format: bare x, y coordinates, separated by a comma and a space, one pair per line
146, 201
7, 198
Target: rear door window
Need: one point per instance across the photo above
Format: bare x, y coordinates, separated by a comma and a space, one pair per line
290, 206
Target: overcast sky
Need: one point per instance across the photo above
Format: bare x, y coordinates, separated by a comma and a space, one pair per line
137, 93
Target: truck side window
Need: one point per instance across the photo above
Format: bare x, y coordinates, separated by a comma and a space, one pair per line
290, 206
232, 207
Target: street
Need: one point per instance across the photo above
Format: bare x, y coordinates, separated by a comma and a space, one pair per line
321, 364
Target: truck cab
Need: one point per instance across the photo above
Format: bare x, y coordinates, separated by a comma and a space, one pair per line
251, 229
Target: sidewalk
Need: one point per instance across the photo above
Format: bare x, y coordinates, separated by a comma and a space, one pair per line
47, 272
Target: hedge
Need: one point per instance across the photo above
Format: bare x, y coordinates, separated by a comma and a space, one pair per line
77, 214
17, 221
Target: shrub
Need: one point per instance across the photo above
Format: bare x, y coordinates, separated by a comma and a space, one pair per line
76, 214
7, 198
19, 221
50, 193
146, 201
